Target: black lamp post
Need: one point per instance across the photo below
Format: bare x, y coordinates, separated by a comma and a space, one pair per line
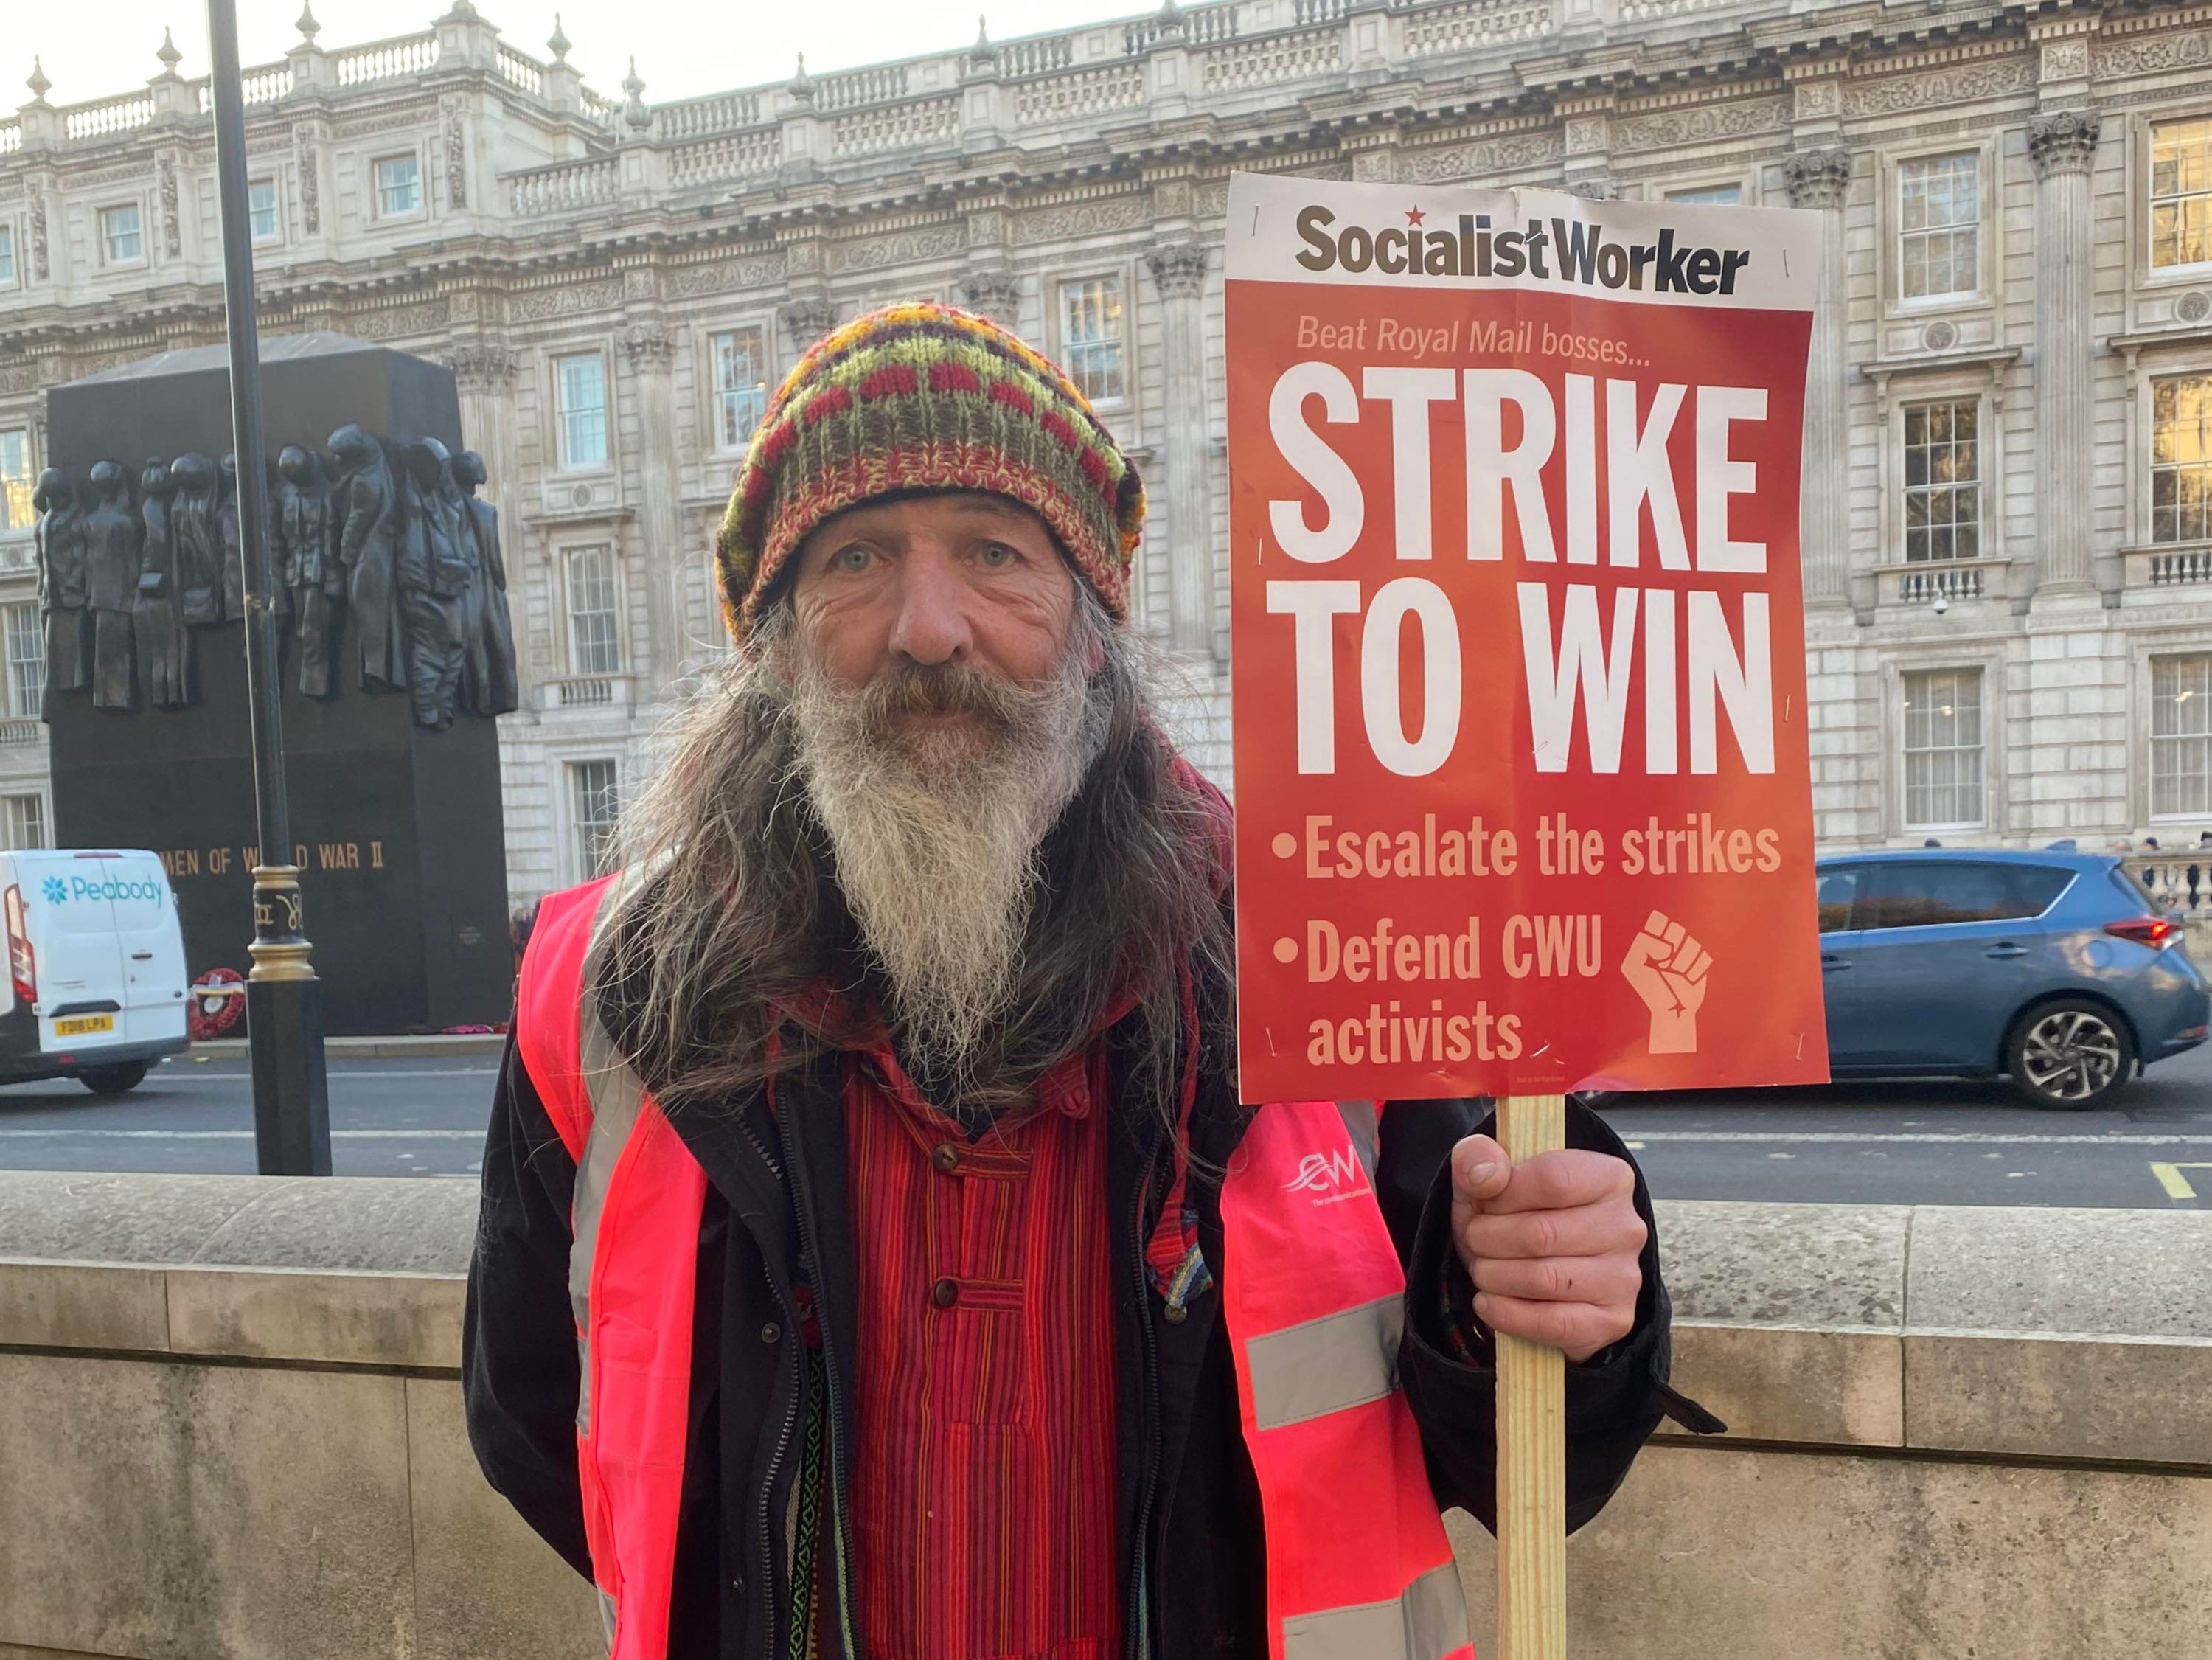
283, 998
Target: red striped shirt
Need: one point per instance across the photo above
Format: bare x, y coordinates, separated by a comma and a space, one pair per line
983, 1484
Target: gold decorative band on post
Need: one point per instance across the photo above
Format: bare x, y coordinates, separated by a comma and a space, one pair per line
280, 949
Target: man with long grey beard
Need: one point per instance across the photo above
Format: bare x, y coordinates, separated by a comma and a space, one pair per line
875, 1257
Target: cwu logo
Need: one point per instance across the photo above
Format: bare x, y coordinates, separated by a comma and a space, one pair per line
1335, 1173
55, 890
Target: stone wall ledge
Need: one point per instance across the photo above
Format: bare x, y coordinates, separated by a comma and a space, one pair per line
2068, 1333
236, 1429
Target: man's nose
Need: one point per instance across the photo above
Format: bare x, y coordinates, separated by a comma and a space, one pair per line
933, 625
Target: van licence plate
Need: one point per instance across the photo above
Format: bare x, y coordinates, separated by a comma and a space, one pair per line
83, 1023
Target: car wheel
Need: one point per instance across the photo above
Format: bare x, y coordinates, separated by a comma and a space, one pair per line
2072, 1053
123, 1076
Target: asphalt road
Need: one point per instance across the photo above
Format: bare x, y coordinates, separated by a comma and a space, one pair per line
1913, 1143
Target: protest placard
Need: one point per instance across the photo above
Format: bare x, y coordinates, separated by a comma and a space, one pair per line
1522, 793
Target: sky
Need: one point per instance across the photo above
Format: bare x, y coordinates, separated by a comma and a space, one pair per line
96, 48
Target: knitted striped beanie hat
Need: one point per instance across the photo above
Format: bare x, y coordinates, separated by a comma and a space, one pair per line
922, 397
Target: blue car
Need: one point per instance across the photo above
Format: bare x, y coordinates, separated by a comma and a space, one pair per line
2057, 970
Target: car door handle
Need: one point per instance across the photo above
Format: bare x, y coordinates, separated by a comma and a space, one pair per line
2006, 949
142, 956
1832, 964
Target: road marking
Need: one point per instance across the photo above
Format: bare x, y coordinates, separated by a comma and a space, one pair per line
336, 1068
2175, 1183
16, 1134
1961, 1138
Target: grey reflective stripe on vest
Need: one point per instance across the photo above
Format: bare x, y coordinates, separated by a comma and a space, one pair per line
1427, 1623
1362, 1123
607, 1617
616, 1094
1339, 1361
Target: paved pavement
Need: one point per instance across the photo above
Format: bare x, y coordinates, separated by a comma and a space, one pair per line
1920, 1143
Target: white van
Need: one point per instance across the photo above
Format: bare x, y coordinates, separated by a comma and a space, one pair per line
95, 967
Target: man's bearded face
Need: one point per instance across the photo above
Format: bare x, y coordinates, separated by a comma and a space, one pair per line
936, 781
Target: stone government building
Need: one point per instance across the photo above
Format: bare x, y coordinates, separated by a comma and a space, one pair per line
2008, 482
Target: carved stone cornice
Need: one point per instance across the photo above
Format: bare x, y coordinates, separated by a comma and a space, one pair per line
1818, 178
2063, 142
1179, 269
1595, 187
996, 292
808, 320
648, 346
480, 365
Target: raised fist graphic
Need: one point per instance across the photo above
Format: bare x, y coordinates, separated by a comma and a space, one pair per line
1668, 970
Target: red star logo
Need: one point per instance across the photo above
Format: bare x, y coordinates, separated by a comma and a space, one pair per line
1415, 216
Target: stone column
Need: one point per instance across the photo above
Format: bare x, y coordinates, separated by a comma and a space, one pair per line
652, 350
1179, 270
2062, 146
1821, 180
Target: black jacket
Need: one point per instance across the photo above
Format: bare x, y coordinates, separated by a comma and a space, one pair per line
1190, 1531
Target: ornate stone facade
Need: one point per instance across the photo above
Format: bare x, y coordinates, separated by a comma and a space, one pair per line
1994, 270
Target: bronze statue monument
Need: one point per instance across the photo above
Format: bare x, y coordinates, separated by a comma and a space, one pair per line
60, 537
114, 535
306, 538
165, 644
496, 689
409, 554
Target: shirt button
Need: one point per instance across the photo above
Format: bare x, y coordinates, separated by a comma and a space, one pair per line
945, 1157
771, 1332
944, 1293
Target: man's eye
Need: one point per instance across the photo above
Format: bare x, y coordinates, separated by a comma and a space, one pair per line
853, 558
997, 555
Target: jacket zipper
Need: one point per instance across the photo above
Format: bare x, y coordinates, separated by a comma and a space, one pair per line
798, 1187
1137, 1640
791, 1324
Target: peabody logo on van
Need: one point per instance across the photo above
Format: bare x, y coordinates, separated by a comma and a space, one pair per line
1550, 250
55, 890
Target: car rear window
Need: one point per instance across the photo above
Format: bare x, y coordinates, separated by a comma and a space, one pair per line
1914, 895
2039, 887
1835, 884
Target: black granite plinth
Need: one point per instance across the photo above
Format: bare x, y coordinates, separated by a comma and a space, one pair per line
397, 828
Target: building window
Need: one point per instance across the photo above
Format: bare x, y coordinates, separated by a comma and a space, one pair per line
398, 187
24, 824
592, 806
1090, 337
119, 235
7, 256
580, 397
740, 385
1939, 218
2181, 193
2180, 736
26, 661
15, 478
1942, 748
261, 209
594, 636
2181, 458
1942, 482
1724, 196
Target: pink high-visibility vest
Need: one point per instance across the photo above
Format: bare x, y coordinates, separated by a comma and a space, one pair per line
1358, 1566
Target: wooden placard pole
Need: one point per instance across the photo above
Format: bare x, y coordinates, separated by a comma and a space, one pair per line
1531, 1443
